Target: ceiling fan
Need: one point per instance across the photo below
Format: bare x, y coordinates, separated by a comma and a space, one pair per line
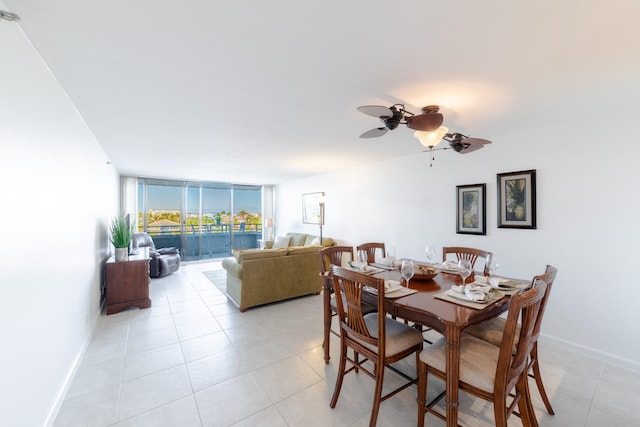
429, 120
427, 125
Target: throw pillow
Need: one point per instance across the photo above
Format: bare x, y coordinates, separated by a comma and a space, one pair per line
297, 239
315, 242
281, 242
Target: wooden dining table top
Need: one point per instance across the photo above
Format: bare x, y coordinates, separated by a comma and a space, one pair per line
423, 307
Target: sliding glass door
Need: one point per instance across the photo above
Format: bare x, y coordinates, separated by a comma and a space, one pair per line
202, 219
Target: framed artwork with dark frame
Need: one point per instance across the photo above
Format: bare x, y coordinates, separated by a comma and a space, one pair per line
517, 199
471, 217
311, 213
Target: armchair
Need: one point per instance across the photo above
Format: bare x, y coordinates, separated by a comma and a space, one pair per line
164, 261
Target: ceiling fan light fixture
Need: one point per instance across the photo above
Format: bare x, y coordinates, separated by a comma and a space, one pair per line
431, 139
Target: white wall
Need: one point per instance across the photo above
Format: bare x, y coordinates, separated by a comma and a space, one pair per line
57, 193
588, 211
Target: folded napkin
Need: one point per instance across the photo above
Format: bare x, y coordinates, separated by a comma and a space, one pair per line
473, 293
388, 261
450, 265
497, 282
383, 266
391, 284
357, 265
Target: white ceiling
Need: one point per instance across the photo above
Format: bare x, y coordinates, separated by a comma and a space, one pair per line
266, 91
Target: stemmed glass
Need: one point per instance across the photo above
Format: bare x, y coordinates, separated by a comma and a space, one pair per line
431, 254
464, 269
363, 259
493, 264
407, 269
391, 255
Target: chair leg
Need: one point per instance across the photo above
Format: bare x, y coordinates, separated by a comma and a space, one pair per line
527, 414
538, 378
377, 397
500, 409
327, 325
422, 390
341, 371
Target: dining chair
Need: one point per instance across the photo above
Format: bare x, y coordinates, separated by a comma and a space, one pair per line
491, 331
333, 255
470, 254
496, 374
378, 338
371, 250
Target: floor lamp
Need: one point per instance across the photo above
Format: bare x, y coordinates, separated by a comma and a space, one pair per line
270, 224
321, 202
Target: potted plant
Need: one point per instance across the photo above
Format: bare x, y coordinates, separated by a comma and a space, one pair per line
121, 233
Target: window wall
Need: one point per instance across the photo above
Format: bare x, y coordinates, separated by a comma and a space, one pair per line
202, 219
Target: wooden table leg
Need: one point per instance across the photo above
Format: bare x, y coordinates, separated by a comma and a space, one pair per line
452, 336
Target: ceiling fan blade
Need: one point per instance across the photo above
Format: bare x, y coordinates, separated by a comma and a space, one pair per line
476, 141
374, 133
470, 149
376, 111
425, 122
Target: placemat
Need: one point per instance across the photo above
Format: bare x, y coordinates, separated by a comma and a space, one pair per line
396, 293
369, 270
478, 306
517, 286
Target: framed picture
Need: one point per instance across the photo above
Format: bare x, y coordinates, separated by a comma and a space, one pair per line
311, 212
517, 199
471, 209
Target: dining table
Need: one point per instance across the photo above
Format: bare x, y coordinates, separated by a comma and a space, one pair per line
426, 307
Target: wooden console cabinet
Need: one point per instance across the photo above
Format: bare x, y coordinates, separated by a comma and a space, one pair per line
127, 282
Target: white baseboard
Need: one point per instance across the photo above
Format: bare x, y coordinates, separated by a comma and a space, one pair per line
594, 353
62, 393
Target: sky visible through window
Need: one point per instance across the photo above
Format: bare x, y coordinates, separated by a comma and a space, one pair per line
169, 198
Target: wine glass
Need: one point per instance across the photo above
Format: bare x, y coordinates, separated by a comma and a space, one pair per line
464, 269
493, 264
391, 255
431, 254
407, 269
363, 259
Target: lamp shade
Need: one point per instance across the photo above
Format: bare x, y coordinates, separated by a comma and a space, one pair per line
270, 222
431, 139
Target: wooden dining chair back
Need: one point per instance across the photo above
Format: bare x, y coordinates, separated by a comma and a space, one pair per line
492, 330
332, 255
470, 254
496, 374
379, 339
371, 249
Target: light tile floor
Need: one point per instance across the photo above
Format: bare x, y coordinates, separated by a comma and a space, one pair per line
194, 360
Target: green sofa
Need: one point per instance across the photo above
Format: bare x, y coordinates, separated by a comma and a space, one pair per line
262, 276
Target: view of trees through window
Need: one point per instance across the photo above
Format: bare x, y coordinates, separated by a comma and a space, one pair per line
204, 219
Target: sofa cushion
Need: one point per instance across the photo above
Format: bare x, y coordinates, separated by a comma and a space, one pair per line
328, 241
247, 254
295, 250
297, 239
281, 242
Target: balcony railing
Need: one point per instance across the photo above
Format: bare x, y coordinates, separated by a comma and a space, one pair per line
207, 240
